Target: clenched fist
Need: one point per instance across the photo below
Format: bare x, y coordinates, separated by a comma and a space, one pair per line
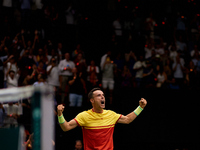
142, 102
60, 109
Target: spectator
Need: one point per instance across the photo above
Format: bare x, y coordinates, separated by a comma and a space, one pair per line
77, 51
93, 75
81, 65
126, 77
29, 79
173, 84
77, 89
191, 75
148, 77
173, 52
108, 77
168, 68
161, 77
159, 49
10, 62
12, 79
40, 80
65, 67
78, 145
117, 29
26, 64
12, 114
194, 50
195, 58
149, 25
165, 57
41, 68
138, 67
55, 55
181, 45
103, 59
12, 76
147, 49
130, 59
178, 68
53, 74
60, 51
41, 56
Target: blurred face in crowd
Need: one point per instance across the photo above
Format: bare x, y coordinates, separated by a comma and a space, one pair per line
79, 57
67, 56
74, 70
53, 52
12, 74
41, 65
60, 45
40, 51
53, 60
78, 145
92, 63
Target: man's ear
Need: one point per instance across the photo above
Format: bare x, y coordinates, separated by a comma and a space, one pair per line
92, 100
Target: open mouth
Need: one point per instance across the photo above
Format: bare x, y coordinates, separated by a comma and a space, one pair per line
102, 102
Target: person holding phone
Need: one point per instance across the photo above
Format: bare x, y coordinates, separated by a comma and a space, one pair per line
65, 67
108, 76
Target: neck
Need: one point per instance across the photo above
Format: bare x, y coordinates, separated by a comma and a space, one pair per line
97, 110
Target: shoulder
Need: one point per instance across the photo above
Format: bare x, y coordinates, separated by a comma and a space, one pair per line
109, 112
85, 113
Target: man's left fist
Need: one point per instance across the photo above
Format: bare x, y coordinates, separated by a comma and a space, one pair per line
142, 102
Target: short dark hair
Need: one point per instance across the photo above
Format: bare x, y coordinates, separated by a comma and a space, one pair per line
90, 94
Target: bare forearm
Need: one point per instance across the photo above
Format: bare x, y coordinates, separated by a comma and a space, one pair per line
131, 116
64, 126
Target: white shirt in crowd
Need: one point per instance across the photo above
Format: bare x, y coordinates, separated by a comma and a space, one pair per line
138, 64
118, 27
14, 68
11, 109
63, 64
147, 52
178, 73
53, 77
12, 82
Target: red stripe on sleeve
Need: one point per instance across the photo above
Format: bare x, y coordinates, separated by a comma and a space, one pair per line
77, 122
118, 119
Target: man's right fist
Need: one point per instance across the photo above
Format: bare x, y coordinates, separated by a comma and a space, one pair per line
60, 109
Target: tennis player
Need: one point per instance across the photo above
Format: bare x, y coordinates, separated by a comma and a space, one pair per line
97, 123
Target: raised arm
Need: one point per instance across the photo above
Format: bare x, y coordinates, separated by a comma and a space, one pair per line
131, 116
66, 126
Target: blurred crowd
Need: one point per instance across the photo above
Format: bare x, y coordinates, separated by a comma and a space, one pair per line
41, 43
74, 46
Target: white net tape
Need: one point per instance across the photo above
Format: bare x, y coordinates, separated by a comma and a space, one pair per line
15, 94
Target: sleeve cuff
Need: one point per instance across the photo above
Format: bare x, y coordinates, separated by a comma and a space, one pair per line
77, 122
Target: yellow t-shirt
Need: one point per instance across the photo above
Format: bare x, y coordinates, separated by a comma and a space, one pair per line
97, 128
